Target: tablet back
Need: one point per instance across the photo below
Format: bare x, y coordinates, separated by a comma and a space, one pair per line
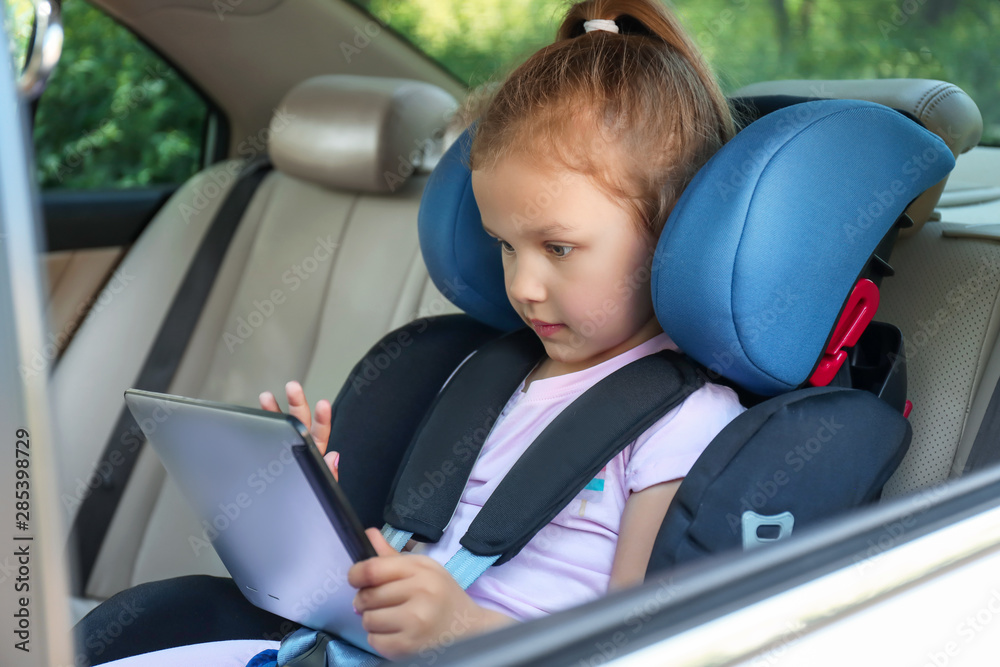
267, 503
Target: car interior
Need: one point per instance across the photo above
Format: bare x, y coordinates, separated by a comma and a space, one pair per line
326, 257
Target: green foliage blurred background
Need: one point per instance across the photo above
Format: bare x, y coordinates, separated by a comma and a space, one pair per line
17, 17
115, 116
745, 40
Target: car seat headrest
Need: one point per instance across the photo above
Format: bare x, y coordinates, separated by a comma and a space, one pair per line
462, 260
762, 250
359, 133
943, 108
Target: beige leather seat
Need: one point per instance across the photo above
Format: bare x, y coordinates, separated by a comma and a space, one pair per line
945, 296
325, 261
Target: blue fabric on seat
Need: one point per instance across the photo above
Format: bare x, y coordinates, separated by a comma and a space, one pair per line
296, 644
766, 243
303, 647
266, 658
735, 220
463, 261
813, 452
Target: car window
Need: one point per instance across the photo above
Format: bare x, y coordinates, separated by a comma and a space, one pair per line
114, 114
745, 41
17, 24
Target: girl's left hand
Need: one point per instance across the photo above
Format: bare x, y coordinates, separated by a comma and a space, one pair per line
410, 602
319, 428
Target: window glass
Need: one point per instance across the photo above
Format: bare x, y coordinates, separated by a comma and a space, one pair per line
745, 41
17, 19
114, 114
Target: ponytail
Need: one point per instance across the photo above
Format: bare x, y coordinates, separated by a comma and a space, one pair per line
651, 19
646, 93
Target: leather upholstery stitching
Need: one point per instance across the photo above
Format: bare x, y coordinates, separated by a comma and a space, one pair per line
928, 96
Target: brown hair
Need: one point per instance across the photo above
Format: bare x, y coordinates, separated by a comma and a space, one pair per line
647, 106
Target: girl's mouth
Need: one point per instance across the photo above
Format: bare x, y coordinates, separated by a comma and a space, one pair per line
545, 329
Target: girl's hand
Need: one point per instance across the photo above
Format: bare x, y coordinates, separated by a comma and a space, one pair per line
410, 603
319, 428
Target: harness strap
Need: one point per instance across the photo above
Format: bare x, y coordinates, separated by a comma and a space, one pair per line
555, 467
574, 447
465, 566
435, 469
561, 461
396, 538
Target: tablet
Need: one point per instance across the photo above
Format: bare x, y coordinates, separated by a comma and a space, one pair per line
266, 501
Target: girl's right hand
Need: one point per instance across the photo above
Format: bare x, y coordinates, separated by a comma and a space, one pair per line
319, 428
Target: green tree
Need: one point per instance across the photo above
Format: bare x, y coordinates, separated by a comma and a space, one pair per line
114, 114
744, 40
475, 39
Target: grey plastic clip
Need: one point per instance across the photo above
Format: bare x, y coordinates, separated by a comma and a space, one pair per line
752, 522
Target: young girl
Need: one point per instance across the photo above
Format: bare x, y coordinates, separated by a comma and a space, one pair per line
576, 163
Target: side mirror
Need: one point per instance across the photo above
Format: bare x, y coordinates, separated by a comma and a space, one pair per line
35, 35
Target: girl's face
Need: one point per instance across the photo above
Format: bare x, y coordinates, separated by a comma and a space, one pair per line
575, 265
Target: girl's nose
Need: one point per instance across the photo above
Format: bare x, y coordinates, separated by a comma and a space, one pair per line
524, 284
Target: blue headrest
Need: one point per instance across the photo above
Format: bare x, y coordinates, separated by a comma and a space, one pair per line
762, 249
766, 243
463, 261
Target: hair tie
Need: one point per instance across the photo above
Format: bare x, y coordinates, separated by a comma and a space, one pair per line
607, 25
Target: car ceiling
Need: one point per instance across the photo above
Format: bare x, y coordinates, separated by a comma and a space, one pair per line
246, 54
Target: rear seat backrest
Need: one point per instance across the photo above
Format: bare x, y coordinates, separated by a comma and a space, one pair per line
945, 296
324, 262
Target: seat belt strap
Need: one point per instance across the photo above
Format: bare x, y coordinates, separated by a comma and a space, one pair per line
396, 538
575, 446
561, 461
120, 454
466, 566
435, 468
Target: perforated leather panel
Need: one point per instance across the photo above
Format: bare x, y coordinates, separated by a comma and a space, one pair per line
943, 298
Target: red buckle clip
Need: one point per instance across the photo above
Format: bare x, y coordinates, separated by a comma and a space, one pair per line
859, 311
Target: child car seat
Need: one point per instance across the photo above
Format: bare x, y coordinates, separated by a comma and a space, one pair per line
767, 269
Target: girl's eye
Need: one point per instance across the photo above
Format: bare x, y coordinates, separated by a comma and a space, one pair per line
506, 247
560, 250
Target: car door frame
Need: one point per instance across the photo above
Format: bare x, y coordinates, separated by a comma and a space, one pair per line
750, 608
34, 597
